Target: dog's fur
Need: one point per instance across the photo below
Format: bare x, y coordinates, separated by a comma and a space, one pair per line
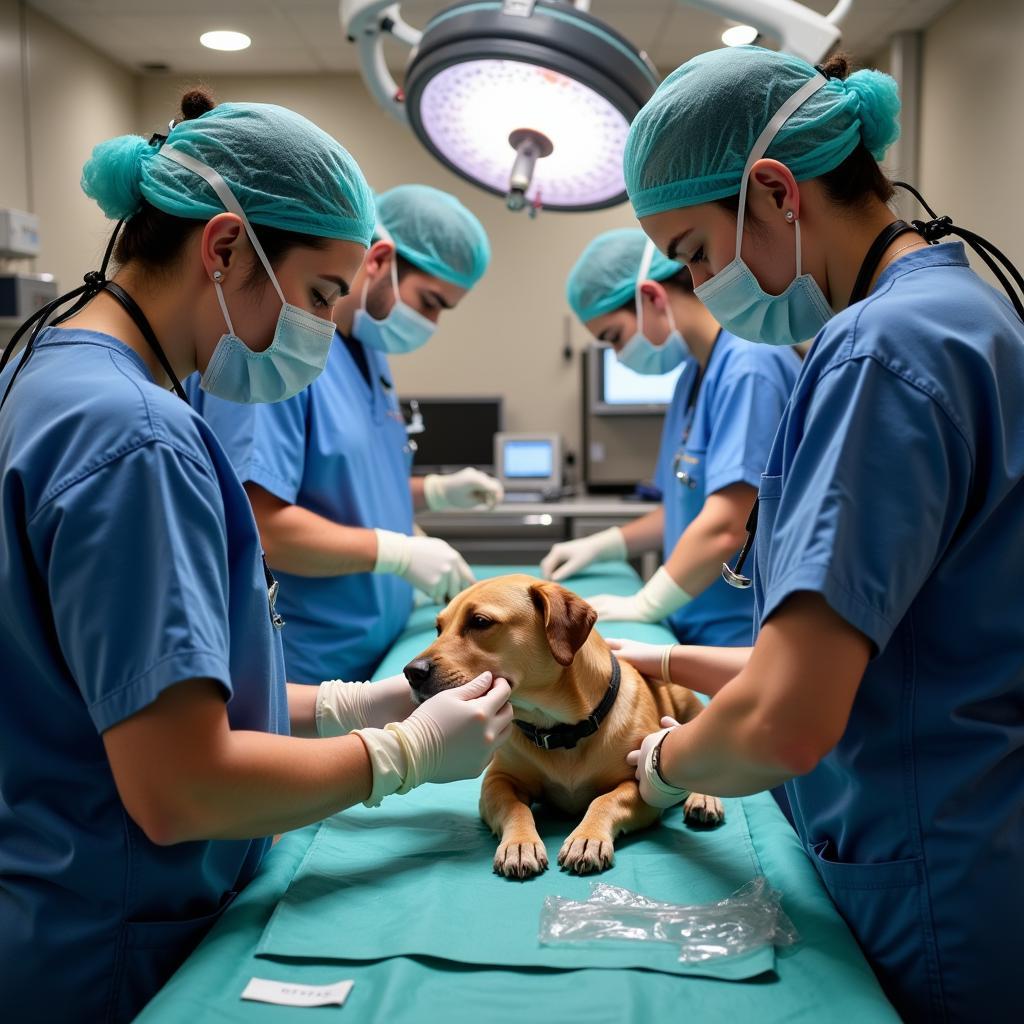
540, 637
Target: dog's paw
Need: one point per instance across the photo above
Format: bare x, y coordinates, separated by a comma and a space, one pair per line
521, 860
585, 855
703, 810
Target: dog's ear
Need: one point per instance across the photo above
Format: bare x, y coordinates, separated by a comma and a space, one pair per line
568, 619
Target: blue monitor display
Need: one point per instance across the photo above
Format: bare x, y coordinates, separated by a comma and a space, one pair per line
622, 386
528, 460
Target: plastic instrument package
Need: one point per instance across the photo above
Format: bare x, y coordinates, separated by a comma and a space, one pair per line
750, 918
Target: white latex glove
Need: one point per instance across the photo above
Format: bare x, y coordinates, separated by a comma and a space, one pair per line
653, 788
465, 489
428, 563
648, 659
342, 707
451, 736
569, 557
658, 598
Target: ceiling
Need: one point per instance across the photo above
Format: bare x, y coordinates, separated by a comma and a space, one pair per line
305, 36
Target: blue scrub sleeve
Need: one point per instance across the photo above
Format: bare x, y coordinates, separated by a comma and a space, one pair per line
875, 492
266, 443
746, 415
138, 579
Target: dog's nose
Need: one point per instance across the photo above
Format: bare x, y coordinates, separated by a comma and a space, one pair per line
418, 672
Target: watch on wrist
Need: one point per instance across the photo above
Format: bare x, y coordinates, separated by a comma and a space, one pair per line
656, 762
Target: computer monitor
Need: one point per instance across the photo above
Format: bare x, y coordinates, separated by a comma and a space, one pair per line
616, 390
456, 432
529, 462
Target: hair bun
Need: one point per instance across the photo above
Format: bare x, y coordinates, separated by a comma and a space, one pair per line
195, 103
879, 109
113, 175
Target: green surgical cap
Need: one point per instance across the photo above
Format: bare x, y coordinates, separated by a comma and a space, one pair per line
435, 232
285, 172
690, 142
604, 278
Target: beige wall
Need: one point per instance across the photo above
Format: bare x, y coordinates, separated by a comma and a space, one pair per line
507, 336
75, 98
13, 165
972, 148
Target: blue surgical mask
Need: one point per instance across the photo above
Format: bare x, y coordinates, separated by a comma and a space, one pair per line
640, 354
402, 330
735, 298
302, 341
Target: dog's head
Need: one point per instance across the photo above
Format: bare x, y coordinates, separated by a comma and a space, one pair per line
518, 627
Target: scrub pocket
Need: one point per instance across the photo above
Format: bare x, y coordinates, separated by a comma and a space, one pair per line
151, 951
885, 905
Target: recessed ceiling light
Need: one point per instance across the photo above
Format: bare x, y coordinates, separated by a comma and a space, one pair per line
739, 35
224, 40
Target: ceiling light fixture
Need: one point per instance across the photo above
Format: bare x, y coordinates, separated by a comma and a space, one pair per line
223, 39
740, 35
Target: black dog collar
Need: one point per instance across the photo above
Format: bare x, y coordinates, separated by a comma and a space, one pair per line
568, 736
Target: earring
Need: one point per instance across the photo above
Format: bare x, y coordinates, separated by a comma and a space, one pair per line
789, 216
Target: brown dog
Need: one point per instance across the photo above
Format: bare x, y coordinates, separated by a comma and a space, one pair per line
540, 637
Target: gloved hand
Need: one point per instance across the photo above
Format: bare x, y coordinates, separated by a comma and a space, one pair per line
465, 489
428, 563
658, 598
653, 788
648, 659
342, 707
569, 557
451, 736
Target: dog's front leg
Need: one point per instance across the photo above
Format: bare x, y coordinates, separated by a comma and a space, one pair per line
591, 845
505, 807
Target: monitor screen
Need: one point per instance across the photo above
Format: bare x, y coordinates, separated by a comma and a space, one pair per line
456, 432
621, 386
528, 460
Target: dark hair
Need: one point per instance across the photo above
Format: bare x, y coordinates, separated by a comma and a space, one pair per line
680, 282
156, 239
857, 180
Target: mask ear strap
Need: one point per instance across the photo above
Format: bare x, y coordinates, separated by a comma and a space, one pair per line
645, 268
771, 129
231, 204
385, 236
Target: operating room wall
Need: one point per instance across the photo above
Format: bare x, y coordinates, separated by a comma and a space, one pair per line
506, 338
68, 97
972, 147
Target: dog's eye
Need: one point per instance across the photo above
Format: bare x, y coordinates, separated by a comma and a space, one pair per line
479, 622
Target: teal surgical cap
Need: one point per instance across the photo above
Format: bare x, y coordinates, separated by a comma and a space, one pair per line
690, 142
435, 232
604, 278
285, 172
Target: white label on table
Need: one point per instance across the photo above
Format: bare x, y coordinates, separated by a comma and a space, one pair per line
283, 993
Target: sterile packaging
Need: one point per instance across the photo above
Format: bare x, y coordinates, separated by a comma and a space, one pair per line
751, 917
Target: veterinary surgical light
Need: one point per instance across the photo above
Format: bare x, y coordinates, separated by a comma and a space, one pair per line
532, 99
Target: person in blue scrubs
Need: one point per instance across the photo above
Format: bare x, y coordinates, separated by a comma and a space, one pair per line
144, 751
714, 445
328, 471
886, 681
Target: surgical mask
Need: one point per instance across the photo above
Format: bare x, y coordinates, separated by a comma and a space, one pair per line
736, 299
302, 341
640, 354
403, 329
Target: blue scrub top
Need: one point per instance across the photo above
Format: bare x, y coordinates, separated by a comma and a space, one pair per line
129, 561
895, 491
721, 439
338, 449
